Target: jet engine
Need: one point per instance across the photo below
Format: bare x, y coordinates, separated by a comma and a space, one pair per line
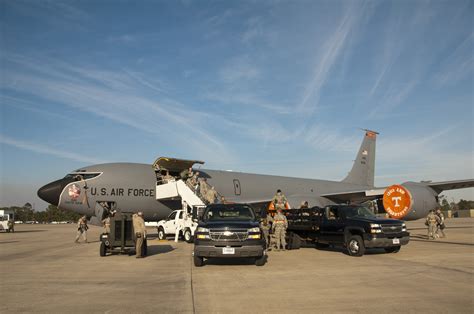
409, 200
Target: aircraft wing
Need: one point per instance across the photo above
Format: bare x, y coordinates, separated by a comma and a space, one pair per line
354, 196
366, 195
451, 185
253, 201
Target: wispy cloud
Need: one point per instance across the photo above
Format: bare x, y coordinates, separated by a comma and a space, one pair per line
58, 14
116, 96
326, 138
459, 65
155, 86
221, 18
332, 50
125, 39
42, 149
22, 104
249, 99
257, 31
238, 70
422, 158
392, 98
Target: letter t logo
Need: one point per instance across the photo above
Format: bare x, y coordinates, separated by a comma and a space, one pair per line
396, 199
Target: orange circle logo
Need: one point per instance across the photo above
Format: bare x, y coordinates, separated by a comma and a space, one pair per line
397, 201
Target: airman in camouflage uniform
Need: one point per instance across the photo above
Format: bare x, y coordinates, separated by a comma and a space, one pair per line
265, 226
193, 181
279, 200
82, 229
440, 225
186, 174
106, 224
106, 221
203, 187
279, 229
431, 221
211, 195
11, 225
140, 232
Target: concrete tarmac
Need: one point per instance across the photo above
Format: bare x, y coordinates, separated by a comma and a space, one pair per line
44, 271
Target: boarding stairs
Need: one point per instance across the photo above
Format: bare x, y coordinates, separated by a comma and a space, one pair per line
174, 189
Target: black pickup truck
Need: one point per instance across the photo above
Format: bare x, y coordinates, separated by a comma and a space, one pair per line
350, 226
229, 231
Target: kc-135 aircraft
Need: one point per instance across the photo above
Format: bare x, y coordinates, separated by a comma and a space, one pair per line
96, 189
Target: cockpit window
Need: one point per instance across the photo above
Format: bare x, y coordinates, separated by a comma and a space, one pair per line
82, 176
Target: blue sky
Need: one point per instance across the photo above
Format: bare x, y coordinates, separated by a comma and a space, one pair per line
273, 87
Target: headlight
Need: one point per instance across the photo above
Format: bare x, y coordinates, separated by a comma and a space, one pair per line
254, 236
256, 229
375, 228
201, 229
404, 227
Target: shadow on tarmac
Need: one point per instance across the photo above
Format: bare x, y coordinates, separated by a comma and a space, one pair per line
27, 231
447, 227
423, 238
340, 249
231, 261
159, 249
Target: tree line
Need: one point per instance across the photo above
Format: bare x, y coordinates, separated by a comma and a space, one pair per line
52, 213
461, 205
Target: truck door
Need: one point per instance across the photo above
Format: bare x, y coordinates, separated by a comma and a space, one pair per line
332, 226
170, 224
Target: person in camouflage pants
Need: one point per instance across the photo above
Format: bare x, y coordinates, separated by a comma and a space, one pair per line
431, 221
279, 229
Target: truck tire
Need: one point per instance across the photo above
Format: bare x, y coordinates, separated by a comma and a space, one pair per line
188, 237
392, 249
103, 249
161, 234
198, 261
355, 245
260, 261
294, 241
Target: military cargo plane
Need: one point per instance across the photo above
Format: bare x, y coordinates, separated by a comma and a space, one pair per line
95, 190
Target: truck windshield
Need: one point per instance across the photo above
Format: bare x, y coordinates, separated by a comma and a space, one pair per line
237, 212
358, 211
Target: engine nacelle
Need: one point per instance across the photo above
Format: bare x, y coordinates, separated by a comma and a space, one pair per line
409, 201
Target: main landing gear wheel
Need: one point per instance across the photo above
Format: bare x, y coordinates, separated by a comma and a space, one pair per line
161, 233
355, 246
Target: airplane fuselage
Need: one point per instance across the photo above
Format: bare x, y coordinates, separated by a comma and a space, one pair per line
132, 187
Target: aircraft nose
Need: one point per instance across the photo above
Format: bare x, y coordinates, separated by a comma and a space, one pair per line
50, 192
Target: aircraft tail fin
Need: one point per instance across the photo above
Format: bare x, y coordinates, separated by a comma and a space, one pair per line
363, 169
